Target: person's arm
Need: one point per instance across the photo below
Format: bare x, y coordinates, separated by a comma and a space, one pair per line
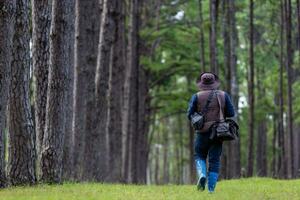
192, 106
229, 108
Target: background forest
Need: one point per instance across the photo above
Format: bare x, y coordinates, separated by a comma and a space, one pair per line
97, 90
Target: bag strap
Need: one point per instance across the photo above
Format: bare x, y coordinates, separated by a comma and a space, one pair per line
221, 111
209, 99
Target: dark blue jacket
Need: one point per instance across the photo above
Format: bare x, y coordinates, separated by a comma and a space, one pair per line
229, 108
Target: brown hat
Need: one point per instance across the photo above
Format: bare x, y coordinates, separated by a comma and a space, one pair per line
208, 81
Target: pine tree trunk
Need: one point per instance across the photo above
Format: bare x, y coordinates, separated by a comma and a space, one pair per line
191, 156
298, 23
87, 37
213, 36
289, 58
296, 148
261, 151
139, 100
115, 87
91, 119
126, 161
224, 163
228, 166
68, 138
251, 95
282, 165
261, 144
165, 158
143, 124
191, 146
7, 20
202, 45
236, 149
107, 35
59, 69
181, 146
231, 150
21, 162
275, 146
157, 158
130, 109
133, 67
41, 19
177, 158
227, 45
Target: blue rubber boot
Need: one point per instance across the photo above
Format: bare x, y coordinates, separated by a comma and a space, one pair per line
201, 171
212, 181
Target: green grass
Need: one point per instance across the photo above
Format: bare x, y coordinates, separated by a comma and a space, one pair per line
254, 189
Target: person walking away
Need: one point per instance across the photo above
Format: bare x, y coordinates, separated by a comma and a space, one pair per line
205, 148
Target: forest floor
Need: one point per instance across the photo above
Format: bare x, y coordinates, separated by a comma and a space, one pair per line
254, 189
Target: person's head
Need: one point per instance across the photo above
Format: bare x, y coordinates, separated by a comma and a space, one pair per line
208, 81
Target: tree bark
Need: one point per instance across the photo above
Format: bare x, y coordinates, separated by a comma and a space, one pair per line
130, 92
275, 146
68, 142
181, 146
191, 156
131, 89
41, 19
21, 162
115, 87
261, 144
296, 148
236, 146
288, 64
202, 45
231, 150
107, 35
213, 6
59, 69
87, 37
157, 165
227, 45
7, 20
139, 100
251, 95
281, 133
228, 166
166, 173
298, 23
261, 151
192, 169
177, 159
143, 124
126, 163
91, 118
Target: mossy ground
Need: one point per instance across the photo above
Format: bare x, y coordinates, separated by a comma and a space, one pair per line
252, 189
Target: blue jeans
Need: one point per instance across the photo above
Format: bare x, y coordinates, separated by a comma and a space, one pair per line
204, 147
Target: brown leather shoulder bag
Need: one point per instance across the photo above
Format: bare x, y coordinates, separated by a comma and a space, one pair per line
224, 130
